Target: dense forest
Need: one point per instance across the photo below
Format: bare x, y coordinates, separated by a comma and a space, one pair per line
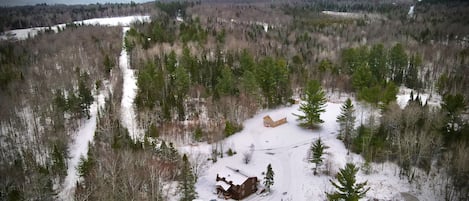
203, 68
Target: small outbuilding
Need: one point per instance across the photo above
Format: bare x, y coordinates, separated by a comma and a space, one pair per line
268, 122
235, 186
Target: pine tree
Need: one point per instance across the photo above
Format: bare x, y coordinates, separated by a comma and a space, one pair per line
315, 101
269, 178
317, 150
398, 63
181, 87
453, 106
85, 96
59, 156
86, 164
187, 181
226, 83
347, 189
346, 121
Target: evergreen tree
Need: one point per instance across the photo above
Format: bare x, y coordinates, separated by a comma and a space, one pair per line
84, 95
226, 83
317, 149
315, 101
246, 62
86, 164
249, 84
346, 121
346, 187
198, 134
272, 77
269, 178
59, 164
187, 181
398, 63
108, 64
377, 62
453, 106
411, 77
362, 77
181, 88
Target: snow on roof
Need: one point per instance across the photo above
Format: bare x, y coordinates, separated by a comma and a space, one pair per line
236, 178
223, 185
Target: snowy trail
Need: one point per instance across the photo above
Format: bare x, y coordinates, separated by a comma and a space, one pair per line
129, 91
79, 148
85, 134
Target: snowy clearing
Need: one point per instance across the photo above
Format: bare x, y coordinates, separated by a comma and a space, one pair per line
353, 15
286, 149
432, 99
22, 34
343, 14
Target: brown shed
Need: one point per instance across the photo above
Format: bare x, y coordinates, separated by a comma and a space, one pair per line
268, 122
236, 187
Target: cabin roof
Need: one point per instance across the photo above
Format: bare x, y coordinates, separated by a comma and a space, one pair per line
223, 185
236, 178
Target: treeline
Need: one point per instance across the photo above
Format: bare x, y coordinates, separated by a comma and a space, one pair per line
165, 82
376, 72
43, 15
382, 7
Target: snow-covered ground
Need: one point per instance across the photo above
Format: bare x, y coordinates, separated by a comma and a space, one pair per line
343, 14
22, 34
432, 99
286, 149
411, 11
129, 92
79, 148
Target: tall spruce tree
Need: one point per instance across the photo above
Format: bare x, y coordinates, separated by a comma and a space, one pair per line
187, 181
317, 150
346, 121
398, 63
314, 105
269, 178
346, 187
85, 97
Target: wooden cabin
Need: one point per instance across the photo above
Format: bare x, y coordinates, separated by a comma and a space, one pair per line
268, 122
235, 186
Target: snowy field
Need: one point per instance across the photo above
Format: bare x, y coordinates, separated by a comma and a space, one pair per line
343, 14
286, 148
22, 34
